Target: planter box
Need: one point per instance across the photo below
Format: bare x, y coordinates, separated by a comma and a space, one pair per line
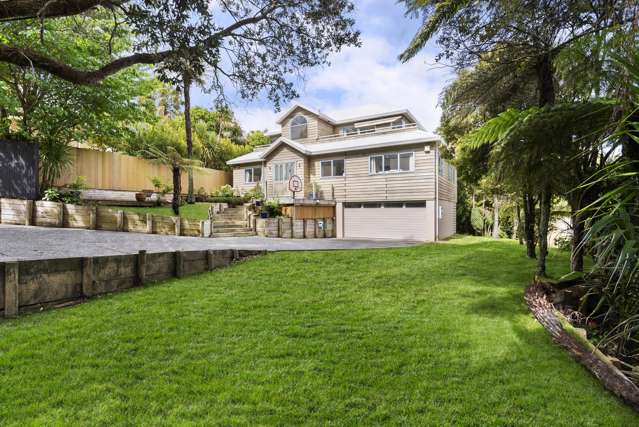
15, 211
329, 227
286, 228
47, 214
320, 225
77, 216
298, 229
164, 225
134, 222
191, 227
272, 227
107, 219
260, 227
309, 229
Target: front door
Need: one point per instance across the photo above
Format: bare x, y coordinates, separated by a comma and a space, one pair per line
282, 172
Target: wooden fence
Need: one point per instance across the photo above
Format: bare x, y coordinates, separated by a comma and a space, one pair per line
114, 171
33, 285
53, 214
309, 211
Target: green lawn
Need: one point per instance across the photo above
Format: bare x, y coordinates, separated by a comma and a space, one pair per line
428, 335
194, 211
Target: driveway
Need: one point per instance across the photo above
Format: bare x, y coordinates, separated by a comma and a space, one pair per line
27, 243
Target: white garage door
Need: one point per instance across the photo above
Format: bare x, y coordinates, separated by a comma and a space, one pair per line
390, 220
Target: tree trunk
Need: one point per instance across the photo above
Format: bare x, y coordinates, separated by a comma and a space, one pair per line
517, 225
577, 249
546, 80
529, 225
190, 198
483, 217
495, 217
177, 190
545, 199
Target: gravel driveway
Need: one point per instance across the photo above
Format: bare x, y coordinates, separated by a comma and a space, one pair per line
23, 243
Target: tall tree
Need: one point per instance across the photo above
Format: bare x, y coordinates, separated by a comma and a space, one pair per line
254, 45
530, 34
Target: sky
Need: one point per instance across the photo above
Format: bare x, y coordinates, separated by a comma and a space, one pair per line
362, 80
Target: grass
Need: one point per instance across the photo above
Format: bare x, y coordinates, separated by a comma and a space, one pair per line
428, 335
194, 211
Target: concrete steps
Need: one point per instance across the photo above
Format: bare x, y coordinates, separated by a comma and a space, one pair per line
230, 223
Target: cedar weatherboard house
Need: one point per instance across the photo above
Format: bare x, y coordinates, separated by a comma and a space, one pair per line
382, 172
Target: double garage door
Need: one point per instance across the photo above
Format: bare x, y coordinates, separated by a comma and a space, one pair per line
388, 220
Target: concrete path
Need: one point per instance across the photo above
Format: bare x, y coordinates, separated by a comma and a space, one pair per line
23, 243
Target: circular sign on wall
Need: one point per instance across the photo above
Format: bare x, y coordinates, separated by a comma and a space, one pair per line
295, 184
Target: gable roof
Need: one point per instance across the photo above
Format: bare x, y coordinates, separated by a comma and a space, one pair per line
369, 142
296, 105
337, 122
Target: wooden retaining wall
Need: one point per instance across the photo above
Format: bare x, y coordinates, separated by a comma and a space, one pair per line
33, 285
295, 228
53, 214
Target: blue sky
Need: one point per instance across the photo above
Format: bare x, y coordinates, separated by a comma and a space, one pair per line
362, 80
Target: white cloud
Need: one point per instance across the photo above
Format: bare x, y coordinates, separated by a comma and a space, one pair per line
366, 80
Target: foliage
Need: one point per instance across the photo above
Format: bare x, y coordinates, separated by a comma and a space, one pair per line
273, 207
71, 194
257, 46
230, 200
255, 193
55, 159
256, 138
225, 191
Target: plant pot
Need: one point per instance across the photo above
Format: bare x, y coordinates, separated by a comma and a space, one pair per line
140, 197
263, 214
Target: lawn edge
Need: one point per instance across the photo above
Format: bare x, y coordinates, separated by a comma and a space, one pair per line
611, 378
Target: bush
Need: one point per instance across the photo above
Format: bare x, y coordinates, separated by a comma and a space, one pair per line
201, 195
273, 207
70, 194
224, 191
231, 200
255, 193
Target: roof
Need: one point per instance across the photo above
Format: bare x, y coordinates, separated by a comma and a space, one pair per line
336, 122
368, 142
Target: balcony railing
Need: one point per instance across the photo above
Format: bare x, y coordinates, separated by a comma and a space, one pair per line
375, 131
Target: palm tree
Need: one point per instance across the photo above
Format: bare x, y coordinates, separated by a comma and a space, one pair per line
178, 164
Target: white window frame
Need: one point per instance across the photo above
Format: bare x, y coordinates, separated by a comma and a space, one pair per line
284, 170
398, 170
252, 169
332, 175
292, 126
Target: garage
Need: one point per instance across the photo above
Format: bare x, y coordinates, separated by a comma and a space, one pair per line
399, 220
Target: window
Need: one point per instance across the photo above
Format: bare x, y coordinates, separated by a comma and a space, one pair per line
348, 130
415, 204
406, 162
440, 165
299, 127
329, 168
398, 124
283, 171
252, 175
392, 162
390, 205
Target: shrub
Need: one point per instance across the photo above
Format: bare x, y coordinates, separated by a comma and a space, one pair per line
231, 200
201, 195
224, 191
255, 193
273, 207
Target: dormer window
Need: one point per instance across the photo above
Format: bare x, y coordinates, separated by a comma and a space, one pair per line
299, 128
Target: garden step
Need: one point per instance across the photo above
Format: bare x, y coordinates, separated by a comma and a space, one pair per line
230, 228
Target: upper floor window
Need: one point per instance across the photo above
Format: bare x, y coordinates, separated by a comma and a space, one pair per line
252, 175
299, 128
440, 165
348, 130
329, 168
283, 171
398, 124
392, 162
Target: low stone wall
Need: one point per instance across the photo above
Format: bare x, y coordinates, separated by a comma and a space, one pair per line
33, 285
295, 228
53, 214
